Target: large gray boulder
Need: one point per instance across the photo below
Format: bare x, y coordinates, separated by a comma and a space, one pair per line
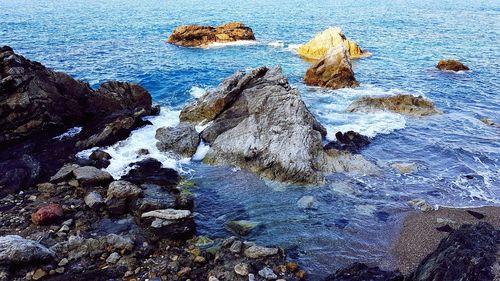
259, 122
16, 250
182, 139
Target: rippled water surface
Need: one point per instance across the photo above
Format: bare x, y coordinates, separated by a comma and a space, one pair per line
356, 218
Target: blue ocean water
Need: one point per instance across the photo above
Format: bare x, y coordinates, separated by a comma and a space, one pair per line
357, 217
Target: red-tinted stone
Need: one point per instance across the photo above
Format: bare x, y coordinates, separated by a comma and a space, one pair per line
47, 215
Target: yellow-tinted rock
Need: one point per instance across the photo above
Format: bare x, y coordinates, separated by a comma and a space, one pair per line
332, 37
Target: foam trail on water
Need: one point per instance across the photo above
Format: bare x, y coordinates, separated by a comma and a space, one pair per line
276, 44
231, 44
69, 133
330, 108
197, 92
124, 152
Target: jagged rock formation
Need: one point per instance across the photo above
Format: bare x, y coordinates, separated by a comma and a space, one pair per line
37, 104
260, 123
202, 36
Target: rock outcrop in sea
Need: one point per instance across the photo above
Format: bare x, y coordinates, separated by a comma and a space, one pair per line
257, 121
202, 36
331, 37
333, 70
451, 65
406, 104
38, 105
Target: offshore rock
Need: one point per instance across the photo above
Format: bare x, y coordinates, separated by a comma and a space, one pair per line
15, 250
182, 139
451, 65
406, 104
332, 37
202, 36
333, 70
260, 123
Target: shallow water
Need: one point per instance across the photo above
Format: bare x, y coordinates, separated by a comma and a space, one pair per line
356, 217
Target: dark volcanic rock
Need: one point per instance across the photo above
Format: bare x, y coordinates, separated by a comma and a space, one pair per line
150, 171
350, 141
452, 65
334, 70
466, 254
35, 99
201, 36
37, 104
259, 122
362, 272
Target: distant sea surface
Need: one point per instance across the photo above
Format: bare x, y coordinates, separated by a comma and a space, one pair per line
357, 217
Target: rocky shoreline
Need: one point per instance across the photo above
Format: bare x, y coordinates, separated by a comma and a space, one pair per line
64, 218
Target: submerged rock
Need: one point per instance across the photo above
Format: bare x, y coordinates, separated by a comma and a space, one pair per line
404, 168
255, 252
489, 122
420, 204
307, 202
261, 123
468, 253
406, 104
332, 37
182, 139
241, 227
15, 250
452, 65
202, 36
333, 70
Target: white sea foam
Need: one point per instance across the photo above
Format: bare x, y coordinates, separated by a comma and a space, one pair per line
230, 44
276, 44
201, 151
330, 107
293, 47
197, 92
124, 152
69, 133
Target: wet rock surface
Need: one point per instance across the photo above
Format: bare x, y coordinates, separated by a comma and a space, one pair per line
250, 116
39, 106
350, 141
333, 70
451, 65
182, 139
406, 104
202, 36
